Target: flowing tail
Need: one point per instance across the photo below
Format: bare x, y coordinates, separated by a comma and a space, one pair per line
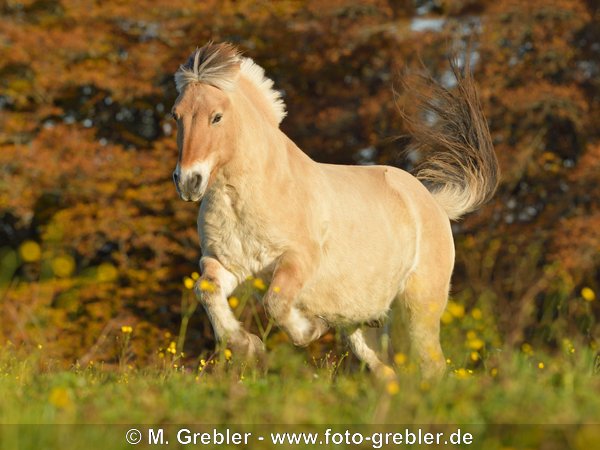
460, 168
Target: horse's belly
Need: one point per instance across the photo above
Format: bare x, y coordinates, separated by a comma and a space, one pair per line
351, 298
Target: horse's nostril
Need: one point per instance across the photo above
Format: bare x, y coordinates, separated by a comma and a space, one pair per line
196, 181
176, 178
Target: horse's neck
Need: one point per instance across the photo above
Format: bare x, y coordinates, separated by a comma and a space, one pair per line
263, 148
269, 163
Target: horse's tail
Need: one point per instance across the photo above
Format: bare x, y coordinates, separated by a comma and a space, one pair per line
460, 167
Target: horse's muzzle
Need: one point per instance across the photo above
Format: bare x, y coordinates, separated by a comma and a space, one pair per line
189, 186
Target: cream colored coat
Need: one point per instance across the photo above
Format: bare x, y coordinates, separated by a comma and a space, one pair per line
339, 243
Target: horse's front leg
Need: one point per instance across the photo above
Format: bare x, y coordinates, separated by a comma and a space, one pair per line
280, 301
212, 290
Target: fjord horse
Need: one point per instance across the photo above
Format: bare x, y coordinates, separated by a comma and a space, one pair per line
339, 243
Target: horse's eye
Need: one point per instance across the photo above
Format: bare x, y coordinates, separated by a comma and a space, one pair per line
217, 118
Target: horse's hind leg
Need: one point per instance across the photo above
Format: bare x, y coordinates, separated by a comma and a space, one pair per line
425, 303
366, 354
212, 290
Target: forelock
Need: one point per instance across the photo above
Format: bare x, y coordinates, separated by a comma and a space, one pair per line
213, 64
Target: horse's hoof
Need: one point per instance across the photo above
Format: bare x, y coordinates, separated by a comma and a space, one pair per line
246, 347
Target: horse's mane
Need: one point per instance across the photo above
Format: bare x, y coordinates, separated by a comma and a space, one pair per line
219, 64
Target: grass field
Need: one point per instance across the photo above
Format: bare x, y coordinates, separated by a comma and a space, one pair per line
520, 388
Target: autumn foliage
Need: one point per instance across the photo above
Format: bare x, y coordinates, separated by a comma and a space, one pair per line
93, 236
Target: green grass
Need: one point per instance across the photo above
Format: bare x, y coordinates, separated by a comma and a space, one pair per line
516, 390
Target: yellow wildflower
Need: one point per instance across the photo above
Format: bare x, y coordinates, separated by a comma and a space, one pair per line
30, 251
457, 310
568, 346
188, 282
172, 348
233, 302
400, 359
588, 294
228, 354
541, 365
259, 284
392, 387
474, 356
462, 373
126, 329
476, 314
475, 344
494, 372
207, 286
195, 276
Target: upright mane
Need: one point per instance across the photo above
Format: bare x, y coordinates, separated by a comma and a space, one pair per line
219, 65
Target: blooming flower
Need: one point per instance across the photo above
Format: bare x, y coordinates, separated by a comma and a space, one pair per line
392, 387
476, 314
188, 282
588, 294
206, 286
259, 284
400, 359
457, 310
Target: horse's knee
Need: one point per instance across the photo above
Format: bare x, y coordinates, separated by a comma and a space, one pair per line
215, 279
